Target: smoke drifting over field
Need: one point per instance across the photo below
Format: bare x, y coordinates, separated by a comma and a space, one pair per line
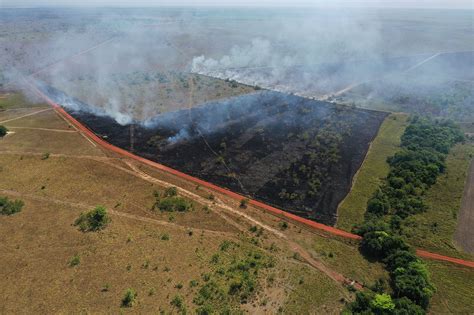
119, 56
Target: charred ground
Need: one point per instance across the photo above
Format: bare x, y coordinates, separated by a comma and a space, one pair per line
291, 152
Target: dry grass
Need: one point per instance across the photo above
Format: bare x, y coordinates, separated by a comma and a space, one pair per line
39, 242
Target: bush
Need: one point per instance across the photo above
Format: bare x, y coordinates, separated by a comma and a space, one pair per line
174, 203
93, 220
130, 298
3, 131
75, 260
244, 203
178, 302
8, 207
170, 201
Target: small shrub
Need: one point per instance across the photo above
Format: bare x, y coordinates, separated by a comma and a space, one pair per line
93, 220
45, 156
171, 192
3, 131
151, 291
106, 287
75, 260
283, 225
165, 237
244, 203
130, 298
8, 207
178, 302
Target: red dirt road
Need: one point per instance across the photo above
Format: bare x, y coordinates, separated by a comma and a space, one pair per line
91, 135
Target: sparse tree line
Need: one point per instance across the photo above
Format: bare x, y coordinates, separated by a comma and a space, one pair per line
413, 170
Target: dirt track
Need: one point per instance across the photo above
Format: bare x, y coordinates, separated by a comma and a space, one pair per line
94, 138
464, 235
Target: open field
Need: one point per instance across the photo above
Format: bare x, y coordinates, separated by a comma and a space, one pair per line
454, 289
375, 167
434, 229
464, 235
132, 251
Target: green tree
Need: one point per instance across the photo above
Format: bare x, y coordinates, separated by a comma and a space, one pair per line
94, 220
382, 304
3, 131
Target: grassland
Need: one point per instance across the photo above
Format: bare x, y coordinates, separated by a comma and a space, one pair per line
156, 254
454, 288
434, 229
59, 174
373, 170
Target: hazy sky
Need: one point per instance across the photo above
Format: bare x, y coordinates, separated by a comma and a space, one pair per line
453, 4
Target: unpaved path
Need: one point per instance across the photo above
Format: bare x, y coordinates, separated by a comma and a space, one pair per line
464, 235
14, 193
23, 116
44, 129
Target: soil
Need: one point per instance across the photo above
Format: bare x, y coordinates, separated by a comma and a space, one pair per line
464, 235
297, 154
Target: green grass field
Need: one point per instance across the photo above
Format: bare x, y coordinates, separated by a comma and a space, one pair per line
454, 288
375, 167
434, 229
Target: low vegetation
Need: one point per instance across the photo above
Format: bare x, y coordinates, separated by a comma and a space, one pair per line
413, 170
3, 131
129, 298
169, 201
234, 279
9, 207
372, 172
94, 220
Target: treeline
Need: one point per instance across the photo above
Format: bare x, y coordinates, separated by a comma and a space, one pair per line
413, 170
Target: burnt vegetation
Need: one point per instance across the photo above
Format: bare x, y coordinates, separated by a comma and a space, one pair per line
291, 152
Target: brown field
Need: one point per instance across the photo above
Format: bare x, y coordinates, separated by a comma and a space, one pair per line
39, 242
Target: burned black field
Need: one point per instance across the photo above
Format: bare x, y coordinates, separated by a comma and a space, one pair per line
297, 154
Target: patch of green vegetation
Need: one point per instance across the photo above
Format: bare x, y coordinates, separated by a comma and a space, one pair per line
413, 170
178, 302
130, 298
75, 260
94, 220
233, 280
371, 173
434, 228
8, 207
3, 131
454, 284
169, 201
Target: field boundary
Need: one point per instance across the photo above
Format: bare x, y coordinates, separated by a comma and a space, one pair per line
275, 211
